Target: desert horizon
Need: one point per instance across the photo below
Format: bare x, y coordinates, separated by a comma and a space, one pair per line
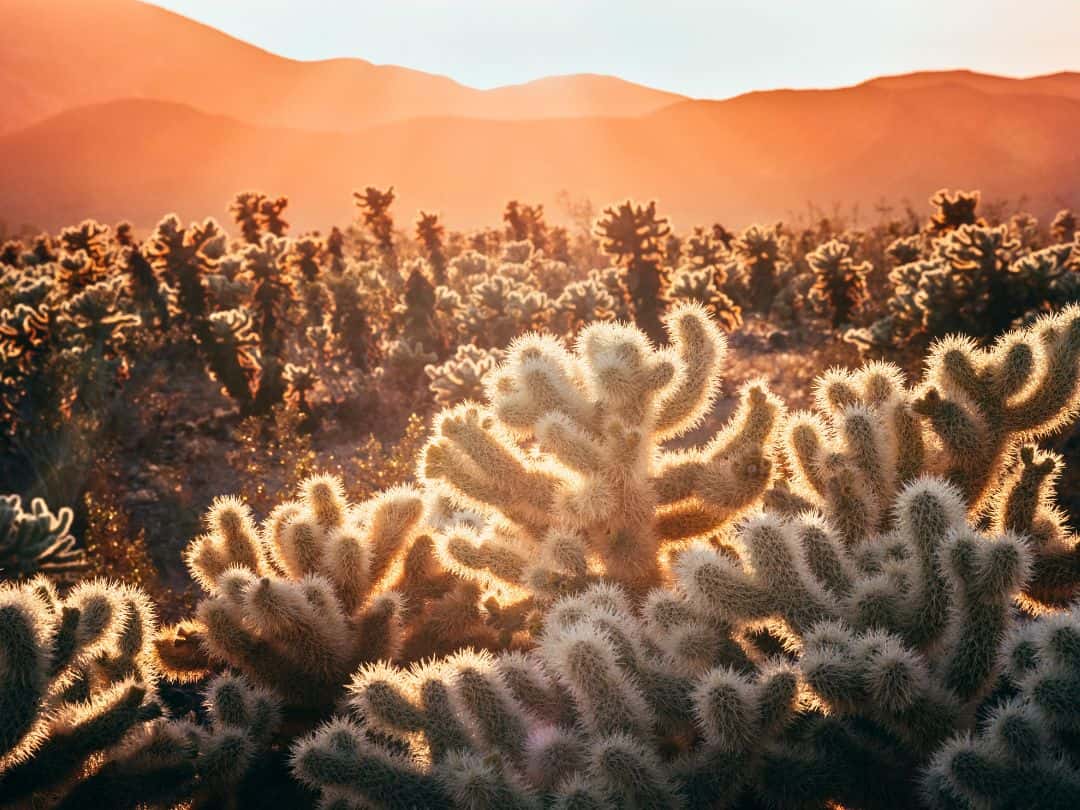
119, 134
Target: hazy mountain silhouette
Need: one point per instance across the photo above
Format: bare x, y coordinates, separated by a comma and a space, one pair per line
60, 54
759, 156
137, 112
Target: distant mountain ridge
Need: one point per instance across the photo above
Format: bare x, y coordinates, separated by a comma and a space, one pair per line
148, 112
61, 54
752, 158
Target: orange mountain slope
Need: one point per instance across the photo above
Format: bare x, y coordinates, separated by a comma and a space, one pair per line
761, 156
61, 54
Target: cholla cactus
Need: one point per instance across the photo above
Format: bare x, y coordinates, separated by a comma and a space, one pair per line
432, 236
570, 725
168, 761
600, 497
525, 222
38, 541
703, 286
256, 214
89, 238
633, 235
229, 342
404, 364
707, 248
966, 423
299, 603
374, 206
96, 316
498, 308
1063, 226
977, 281
760, 252
468, 264
581, 303
839, 283
1026, 746
305, 256
462, 376
905, 249
272, 292
77, 677
953, 210
182, 257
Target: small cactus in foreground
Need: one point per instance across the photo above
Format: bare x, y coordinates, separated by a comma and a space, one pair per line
76, 678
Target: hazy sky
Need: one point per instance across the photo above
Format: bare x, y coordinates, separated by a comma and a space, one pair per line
701, 49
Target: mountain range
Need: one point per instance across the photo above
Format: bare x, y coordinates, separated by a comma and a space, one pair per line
118, 109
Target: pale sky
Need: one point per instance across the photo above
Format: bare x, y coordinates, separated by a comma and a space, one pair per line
701, 49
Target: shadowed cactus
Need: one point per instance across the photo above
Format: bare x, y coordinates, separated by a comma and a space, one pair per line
38, 541
839, 283
76, 678
633, 236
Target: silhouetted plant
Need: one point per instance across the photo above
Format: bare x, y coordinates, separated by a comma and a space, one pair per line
374, 206
839, 283
954, 208
633, 236
432, 236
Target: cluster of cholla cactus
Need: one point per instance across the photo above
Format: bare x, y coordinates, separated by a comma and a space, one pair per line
964, 275
81, 723
599, 594
322, 586
38, 541
886, 626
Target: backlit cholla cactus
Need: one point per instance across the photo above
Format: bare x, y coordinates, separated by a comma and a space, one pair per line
298, 603
633, 236
968, 422
704, 286
905, 249
761, 254
1026, 749
581, 303
596, 495
167, 761
497, 308
183, 257
466, 265
76, 677
37, 541
432, 235
230, 344
462, 376
575, 723
954, 208
374, 206
976, 281
839, 283
1063, 227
